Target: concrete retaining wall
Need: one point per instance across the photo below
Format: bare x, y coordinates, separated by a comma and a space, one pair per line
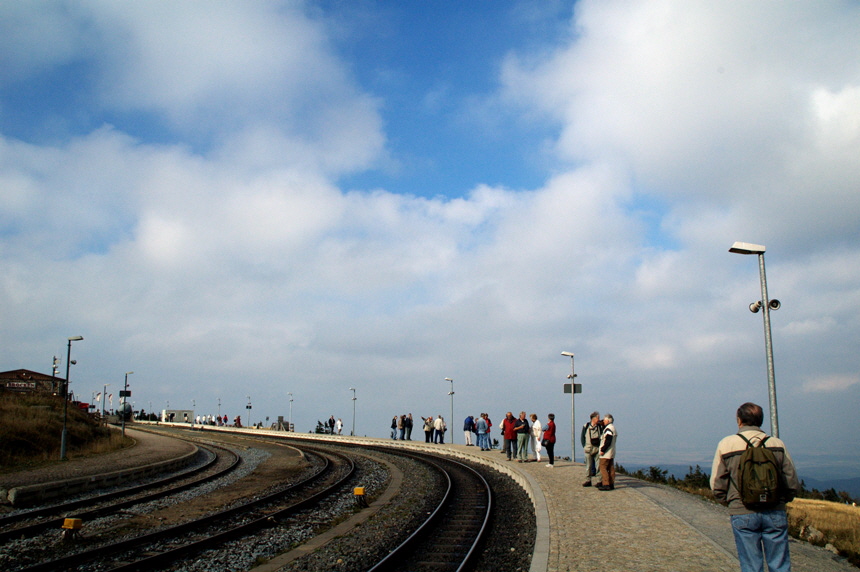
28, 495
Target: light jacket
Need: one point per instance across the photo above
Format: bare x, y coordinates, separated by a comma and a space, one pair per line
537, 430
590, 435
725, 468
608, 440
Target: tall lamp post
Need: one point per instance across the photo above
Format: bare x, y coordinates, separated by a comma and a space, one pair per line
123, 400
352, 389
290, 426
766, 305
572, 378
66, 397
451, 393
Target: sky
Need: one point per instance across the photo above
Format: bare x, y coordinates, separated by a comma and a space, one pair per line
243, 201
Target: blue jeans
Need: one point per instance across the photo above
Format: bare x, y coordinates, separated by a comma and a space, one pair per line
483, 441
762, 534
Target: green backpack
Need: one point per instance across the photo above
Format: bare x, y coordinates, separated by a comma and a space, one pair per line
759, 476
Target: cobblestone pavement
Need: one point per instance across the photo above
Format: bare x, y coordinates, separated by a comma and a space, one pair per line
149, 448
643, 527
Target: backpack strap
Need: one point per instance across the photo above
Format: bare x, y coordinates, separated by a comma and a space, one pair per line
749, 443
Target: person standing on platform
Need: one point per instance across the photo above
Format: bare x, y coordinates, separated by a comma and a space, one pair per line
440, 427
394, 427
508, 435
468, 427
428, 428
409, 423
535, 436
483, 430
522, 429
549, 439
759, 521
608, 440
590, 439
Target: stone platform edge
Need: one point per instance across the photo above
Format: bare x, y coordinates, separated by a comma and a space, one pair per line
28, 495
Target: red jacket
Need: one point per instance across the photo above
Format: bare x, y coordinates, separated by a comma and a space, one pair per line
549, 433
508, 428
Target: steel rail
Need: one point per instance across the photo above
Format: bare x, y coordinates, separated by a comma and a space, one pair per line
74, 560
458, 560
68, 509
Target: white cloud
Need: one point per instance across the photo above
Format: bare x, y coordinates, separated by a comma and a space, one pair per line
831, 383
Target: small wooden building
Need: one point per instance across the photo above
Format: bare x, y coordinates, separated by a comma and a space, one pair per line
26, 381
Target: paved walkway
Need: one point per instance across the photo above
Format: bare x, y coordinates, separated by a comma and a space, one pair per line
642, 527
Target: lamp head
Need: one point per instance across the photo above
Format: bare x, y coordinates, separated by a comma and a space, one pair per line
76, 338
747, 248
567, 354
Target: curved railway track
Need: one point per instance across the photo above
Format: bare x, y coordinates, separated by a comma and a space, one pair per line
47, 517
148, 552
450, 538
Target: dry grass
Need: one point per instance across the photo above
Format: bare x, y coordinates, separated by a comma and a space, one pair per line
838, 523
31, 426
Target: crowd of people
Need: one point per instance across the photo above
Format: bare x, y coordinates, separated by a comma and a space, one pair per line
522, 434
519, 435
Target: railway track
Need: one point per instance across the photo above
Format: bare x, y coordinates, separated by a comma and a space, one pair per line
157, 549
221, 462
451, 537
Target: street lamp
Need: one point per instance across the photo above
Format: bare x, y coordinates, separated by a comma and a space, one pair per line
572, 378
352, 389
66, 397
766, 305
451, 393
290, 426
248, 407
122, 401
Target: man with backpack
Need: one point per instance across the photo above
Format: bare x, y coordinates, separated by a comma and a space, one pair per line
754, 476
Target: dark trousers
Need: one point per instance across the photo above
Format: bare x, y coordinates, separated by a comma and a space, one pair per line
550, 452
510, 447
428, 436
